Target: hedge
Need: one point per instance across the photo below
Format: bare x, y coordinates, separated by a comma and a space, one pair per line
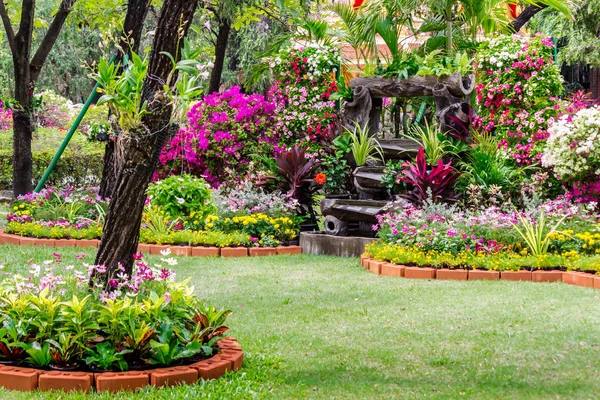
80, 164
75, 167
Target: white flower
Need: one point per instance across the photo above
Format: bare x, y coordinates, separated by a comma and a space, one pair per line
166, 252
180, 200
169, 261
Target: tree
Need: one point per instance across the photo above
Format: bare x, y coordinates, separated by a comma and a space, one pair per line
133, 27
139, 147
26, 73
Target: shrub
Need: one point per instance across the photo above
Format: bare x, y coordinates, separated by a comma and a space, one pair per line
225, 130
517, 93
305, 77
180, 196
58, 319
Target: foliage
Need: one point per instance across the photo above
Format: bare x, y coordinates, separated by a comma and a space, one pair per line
363, 147
391, 177
336, 171
224, 131
118, 328
297, 171
436, 184
518, 82
536, 235
435, 144
573, 145
257, 226
180, 196
305, 82
80, 164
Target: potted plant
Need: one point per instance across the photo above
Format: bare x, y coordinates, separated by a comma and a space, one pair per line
106, 358
334, 176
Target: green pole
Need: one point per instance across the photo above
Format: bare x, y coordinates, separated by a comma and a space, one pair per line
421, 113
70, 134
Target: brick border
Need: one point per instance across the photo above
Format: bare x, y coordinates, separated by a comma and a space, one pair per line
194, 251
27, 379
383, 268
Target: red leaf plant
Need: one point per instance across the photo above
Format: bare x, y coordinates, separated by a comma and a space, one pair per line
436, 183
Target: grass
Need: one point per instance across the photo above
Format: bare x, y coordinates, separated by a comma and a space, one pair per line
322, 328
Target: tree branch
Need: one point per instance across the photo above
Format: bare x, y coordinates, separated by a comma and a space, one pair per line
524, 17
10, 33
38, 60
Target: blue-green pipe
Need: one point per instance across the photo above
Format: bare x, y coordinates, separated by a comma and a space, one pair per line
92, 97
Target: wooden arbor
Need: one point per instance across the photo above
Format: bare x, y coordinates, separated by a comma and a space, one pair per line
449, 94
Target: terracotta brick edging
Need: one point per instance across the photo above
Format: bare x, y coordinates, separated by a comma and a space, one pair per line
194, 251
582, 279
229, 359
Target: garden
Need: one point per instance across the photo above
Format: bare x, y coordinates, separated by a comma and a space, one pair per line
195, 227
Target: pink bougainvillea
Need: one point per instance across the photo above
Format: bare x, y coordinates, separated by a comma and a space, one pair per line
225, 131
5, 117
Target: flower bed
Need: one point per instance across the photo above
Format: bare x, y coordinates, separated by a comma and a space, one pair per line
62, 329
181, 211
178, 250
229, 359
384, 268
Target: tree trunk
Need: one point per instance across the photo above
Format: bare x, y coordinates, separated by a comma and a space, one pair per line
137, 10
220, 50
140, 150
524, 17
22, 158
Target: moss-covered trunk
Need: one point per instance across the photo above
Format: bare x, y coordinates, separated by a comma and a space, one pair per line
138, 151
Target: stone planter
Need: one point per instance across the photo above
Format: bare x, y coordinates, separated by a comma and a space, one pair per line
289, 250
205, 251
65, 243
87, 243
66, 381
547, 276
375, 266
483, 275
515, 275
419, 273
569, 277
388, 269
212, 368
117, 381
45, 242
452, 274
181, 250
166, 377
21, 379
229, 252
6, 238
25, 241
156, 248
584, 279
262, 251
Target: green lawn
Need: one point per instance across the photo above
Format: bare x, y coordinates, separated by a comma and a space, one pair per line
322, 327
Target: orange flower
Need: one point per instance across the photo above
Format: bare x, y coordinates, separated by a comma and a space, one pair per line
320, 178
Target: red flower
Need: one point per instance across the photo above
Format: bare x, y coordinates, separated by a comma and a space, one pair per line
321, 178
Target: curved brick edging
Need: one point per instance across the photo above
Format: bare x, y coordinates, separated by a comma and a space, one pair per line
27, 379
387, 269
195, 251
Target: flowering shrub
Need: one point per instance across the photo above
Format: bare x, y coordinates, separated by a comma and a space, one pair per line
180, 196
443, 228
5, 117
305, 81
516, 94
54, 111
257, 226
51, 317
574, 145
248, 199
68, 207
225, 131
